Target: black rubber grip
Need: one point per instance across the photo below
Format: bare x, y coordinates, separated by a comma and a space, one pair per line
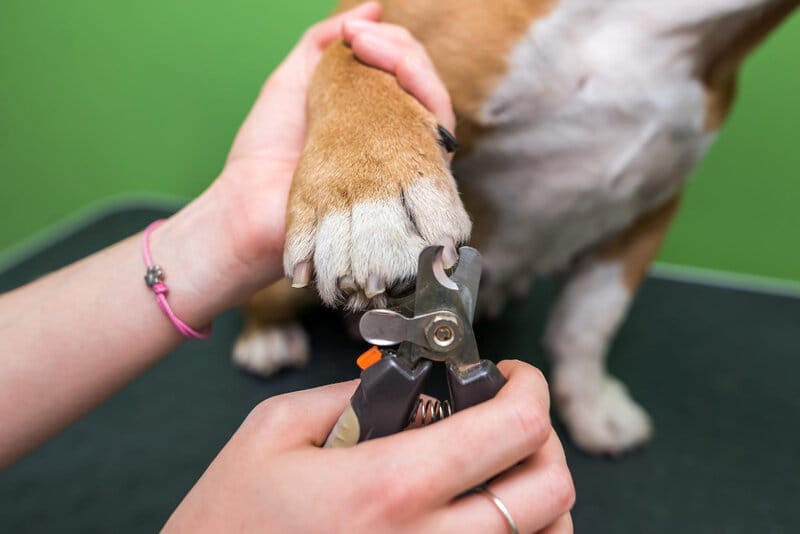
478, 384
386, 396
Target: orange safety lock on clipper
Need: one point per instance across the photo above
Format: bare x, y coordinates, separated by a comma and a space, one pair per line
370, 357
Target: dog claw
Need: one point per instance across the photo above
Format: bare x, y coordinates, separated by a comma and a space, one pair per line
357, 301
301, 276
380, 301
348, 284
449, 254
375, 286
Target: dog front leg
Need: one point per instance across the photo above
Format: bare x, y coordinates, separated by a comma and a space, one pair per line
595, 407
373, 186
273, 337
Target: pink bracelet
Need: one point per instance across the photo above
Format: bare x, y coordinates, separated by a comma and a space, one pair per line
155, 281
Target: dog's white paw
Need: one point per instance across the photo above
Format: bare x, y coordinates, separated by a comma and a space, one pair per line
607, 422
372, 188
360, 252
266, 351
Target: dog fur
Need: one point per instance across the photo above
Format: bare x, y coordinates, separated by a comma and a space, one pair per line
579, 122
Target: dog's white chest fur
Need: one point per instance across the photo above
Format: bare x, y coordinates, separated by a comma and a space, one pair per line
598, 120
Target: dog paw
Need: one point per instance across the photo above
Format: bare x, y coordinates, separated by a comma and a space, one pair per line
358, 253
267, 350
364, 204
608, 422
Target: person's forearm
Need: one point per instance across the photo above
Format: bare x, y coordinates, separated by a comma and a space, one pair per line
72, 338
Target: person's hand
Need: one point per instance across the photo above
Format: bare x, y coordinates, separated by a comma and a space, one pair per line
228, 243
266, 151
273, 477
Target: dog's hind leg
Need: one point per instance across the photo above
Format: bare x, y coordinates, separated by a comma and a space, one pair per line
595, 407
272, 338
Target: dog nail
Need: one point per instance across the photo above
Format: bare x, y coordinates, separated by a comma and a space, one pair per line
375, 286
348, 284
301, 275
449, 254
356, 302
381, 301
401, 288
447, 139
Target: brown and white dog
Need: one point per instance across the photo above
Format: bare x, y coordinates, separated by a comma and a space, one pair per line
579, 122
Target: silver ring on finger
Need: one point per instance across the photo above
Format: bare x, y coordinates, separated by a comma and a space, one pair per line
500, 505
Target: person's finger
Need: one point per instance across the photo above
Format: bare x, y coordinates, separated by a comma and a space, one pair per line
453, 455
536, 493
540, 489
283, 96
397, 35
382, 45
562, 525
301, 418
393, 49
324, 33
417, 79
532, 376
546, 468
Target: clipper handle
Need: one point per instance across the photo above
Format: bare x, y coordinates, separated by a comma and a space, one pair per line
471, 387
382, 404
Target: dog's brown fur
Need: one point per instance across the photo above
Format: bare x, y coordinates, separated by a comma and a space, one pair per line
444, 27
722, 70
637, 246
353, 105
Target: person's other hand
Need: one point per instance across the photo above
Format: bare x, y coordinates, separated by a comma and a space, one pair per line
228, 243
255, 184
272, 476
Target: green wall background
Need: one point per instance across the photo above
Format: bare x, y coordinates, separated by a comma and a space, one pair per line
99, 99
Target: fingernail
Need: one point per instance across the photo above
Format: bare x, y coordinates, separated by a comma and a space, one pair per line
375, 286
380, 301
380, 46
301, 275
447, 139
449, 254
354, 27
357, 25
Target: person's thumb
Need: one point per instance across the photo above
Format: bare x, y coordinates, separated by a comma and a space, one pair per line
304, 417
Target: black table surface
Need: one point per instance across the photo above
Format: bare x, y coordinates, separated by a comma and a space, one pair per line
716, 367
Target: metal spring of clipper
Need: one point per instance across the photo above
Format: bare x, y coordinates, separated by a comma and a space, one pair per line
429, 411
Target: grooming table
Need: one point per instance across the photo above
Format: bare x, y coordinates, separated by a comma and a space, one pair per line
717, 368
